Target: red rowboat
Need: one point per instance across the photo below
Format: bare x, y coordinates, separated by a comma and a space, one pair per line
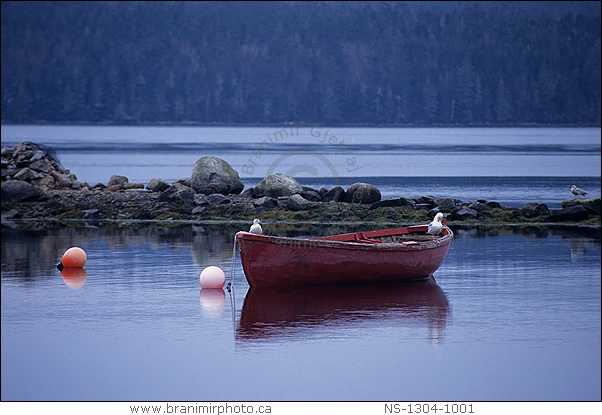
376, 256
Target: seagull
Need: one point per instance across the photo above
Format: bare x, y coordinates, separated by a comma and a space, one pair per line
256, 227
577, 192
435, 227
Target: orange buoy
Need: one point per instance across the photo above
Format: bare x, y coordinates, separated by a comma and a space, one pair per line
74, 258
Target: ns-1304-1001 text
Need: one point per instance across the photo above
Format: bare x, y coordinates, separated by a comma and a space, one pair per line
428, 408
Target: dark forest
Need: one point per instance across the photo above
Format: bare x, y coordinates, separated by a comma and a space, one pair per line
235, 63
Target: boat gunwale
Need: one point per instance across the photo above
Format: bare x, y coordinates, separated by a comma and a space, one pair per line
321, 242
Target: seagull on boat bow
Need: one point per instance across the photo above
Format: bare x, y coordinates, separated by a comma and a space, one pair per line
435, 227
256, 227
577, 192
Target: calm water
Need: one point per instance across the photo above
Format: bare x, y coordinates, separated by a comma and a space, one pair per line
509, 165
515, 315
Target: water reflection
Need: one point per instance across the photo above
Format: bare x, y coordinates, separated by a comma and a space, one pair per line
291, 312
74, 277
33, 251
212, 302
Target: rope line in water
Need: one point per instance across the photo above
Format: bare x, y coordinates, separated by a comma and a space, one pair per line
233, 267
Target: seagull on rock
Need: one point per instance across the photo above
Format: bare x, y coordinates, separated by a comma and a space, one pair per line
256, 227
577, 192
435, 227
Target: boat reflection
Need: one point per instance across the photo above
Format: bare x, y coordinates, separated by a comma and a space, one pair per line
273, 313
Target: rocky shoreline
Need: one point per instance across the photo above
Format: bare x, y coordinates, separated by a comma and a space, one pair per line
35, 186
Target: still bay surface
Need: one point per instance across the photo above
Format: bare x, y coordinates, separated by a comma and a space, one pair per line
509, 165
514, 313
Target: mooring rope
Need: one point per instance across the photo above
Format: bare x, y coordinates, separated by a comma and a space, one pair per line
233, 267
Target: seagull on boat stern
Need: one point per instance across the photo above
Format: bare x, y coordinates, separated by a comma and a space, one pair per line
256, 227
435, 227
577, 192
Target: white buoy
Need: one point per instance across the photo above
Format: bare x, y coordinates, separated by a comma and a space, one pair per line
212, 277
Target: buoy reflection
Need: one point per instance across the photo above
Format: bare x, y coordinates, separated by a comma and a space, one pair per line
212, 302
74, 277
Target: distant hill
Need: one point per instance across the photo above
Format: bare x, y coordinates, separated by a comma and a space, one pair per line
336, 63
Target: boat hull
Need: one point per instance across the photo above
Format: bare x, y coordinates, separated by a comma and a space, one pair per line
273, 261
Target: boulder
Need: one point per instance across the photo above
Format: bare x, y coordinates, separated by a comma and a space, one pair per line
310, 194
36, 164
446, 204
266, 202
402, 201
478, 206
426, 200
363, 193
493, 205
248, 193
117, 180
531, 210
27, 174
276, 185
157, 185
63, 180
591, 204
464, 213
20, 191
218, 199
178, 193
569, 214
134, 186
200, 199
214, 175
297, 202
336, 194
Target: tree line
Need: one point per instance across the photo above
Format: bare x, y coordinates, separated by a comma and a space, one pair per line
299, 62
